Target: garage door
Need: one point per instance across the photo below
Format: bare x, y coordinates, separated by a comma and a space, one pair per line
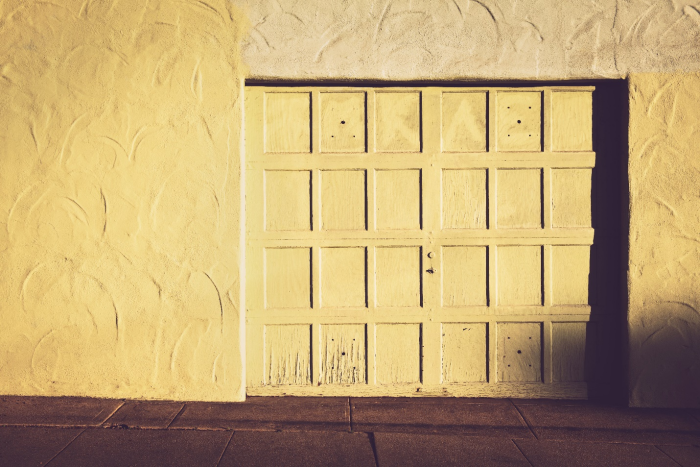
419, 241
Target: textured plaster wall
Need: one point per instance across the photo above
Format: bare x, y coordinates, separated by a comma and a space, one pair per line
470, 39
120, 136
664, 262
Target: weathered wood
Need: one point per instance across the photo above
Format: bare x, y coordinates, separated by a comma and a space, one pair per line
519, 352
287, 122
398, 121
464, 352
464, 121
343, 358
398, 353
572, 121
343, 202
518, 118
287, 355
398, 199
464, 199
342, 121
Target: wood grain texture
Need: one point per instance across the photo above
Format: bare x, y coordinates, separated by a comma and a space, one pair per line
572, 121
519, 199
287, 355
343, 277
464, 121
520, 352
518, 120
571, 197
398, 353
343, 202
574, 351
398, 276
464, 352
435, 254
343, 357
464, 199
287, 278
464, 274
570, 270
343, 122
287, 200
287, 122
398, 121
398, 199
519, 271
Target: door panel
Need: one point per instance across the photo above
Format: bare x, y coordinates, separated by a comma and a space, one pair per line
420, 241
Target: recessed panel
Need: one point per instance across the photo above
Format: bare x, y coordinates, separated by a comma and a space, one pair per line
518, 120
570, 269
343, 359
287, 200
398, 353
287, 122
464, 273
464, 352
574, 351
343, 281
343, 200
398, 122
464, 199
519, 352
287, 277
343, 122
288, 355
464, 121
519, 271
519, 198
571, 198
398, 276
572, 121
398, 199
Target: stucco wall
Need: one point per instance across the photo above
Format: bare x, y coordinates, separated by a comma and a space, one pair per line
469, 39
120, 135
664, 255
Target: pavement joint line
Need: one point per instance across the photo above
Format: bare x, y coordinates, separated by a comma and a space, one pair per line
182, 409
667, 455
218, 461
521, 452
65, 447
111, 414
522, 417
373, 445
350, 413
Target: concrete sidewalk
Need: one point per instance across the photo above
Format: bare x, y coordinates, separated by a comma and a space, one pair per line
341, 431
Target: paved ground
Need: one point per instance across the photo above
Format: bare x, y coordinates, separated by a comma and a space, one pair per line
341, 431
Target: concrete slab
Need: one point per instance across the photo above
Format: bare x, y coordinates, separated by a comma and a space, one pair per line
269, 413
33, 446
687, 456
558, 453
588, 421
113, 447
144, 414
302, 449
56, 411
407, 450
486, 417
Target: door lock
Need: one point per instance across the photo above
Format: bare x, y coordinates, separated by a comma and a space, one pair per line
430, 271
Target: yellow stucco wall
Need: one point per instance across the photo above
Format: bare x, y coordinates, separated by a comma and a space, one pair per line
120, 136
664, 253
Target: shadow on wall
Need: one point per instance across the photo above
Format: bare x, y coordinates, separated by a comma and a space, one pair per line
606, 340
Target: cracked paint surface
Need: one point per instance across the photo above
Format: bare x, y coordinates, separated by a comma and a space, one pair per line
469, 39
664, 254
120, 199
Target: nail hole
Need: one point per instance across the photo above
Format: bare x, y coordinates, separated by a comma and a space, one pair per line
509, 338
332, 136
519, 121
509, 107
520, 351
342, 353
508, 366
342, 122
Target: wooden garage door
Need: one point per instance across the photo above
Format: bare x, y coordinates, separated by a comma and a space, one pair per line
419, 241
